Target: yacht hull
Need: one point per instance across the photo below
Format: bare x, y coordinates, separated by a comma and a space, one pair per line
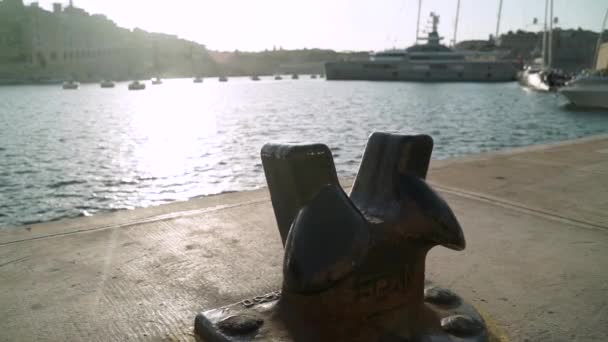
592, 98
419, 72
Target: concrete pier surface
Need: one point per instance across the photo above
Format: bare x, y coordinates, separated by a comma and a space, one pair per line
536, 263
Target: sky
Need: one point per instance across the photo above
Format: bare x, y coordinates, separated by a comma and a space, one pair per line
362, 25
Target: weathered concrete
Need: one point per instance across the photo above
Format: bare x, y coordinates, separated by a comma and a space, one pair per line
535, 264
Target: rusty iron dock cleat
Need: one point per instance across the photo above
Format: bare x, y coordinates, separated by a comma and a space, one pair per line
354, 265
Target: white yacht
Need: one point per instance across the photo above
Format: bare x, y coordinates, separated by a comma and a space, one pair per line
430, 62
588, 90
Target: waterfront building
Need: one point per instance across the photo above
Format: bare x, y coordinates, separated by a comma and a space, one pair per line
68, 42
573, 50
14, 49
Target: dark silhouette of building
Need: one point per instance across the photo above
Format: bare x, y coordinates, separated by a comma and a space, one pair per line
573, 49
70, 43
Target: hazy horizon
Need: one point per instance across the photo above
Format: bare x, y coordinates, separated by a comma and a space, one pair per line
338, 25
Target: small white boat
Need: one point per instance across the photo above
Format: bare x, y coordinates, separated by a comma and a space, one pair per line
137, 85
223, 79
543, 79
157, 81
589, 91
71, 85
532, 77
107, 84
198, 80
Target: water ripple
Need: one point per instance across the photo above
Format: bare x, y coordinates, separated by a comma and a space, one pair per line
96, 151
66, 183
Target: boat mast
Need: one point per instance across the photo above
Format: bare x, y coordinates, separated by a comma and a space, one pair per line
599, 41
550, 44
497, 21
456, 22
544, 52
192, 67
418, 22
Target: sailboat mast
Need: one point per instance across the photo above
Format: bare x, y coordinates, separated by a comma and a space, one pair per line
599, 41
192, 68
418, 21
544, 52
550, 44
498, 20
456, 22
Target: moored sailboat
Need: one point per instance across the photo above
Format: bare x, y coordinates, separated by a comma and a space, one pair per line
540, 75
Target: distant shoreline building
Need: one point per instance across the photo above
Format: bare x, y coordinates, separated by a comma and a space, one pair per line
573, 49
68, 42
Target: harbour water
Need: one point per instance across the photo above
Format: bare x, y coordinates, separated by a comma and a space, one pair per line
91, 150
